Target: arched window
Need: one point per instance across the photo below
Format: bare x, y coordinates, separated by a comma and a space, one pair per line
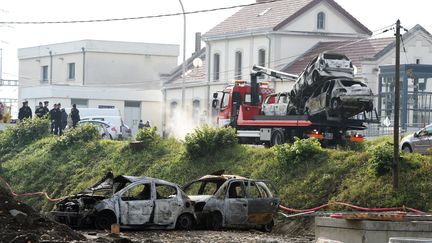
320, 21
195, 110
216, 67
261, 57
238, 65
173, 108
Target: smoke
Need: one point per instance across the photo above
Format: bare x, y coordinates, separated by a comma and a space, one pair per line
180, 122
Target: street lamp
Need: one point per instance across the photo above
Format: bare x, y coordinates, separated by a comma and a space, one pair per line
184, 55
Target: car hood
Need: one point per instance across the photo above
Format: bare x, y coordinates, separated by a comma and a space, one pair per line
200, 198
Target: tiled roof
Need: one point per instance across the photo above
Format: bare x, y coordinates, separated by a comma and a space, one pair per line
356, 50
272, 16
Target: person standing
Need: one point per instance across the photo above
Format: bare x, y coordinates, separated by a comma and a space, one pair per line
140, 124
24, 112
53, 114
147, 124
58, 120
64, 118
46, 109
40, 111
75, 115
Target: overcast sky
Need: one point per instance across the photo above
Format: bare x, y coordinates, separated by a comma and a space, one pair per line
374, 14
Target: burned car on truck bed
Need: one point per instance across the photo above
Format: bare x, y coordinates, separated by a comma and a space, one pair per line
233, 202
132, 202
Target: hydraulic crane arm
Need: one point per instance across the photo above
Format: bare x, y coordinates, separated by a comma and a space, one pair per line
274, 73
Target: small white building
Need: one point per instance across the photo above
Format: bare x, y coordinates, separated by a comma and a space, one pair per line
98, 74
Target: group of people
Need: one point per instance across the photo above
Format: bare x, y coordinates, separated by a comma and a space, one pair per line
57, 115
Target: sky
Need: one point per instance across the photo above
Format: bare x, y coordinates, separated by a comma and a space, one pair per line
374, 14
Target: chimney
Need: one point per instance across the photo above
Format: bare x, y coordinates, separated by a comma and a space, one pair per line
197, 41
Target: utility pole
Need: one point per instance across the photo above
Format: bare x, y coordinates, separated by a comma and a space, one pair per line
184, 57
396, 110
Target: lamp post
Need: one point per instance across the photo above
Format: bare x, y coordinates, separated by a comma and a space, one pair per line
184, 55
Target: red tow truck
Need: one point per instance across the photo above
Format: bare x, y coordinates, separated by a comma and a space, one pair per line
241, 108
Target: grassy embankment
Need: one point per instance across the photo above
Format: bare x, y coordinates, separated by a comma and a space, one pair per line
304, 174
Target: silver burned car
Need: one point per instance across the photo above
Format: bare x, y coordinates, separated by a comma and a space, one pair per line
132, 202
340, 96
419, 142
230, 201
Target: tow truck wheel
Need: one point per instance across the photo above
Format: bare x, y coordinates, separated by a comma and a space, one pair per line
184, 222
277, 137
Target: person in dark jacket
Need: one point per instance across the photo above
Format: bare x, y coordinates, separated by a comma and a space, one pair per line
75, 116
25, 111
64, 117
55, 117
40, 111
46, 109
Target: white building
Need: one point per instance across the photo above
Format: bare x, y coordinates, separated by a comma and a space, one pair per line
286, 35
98, 74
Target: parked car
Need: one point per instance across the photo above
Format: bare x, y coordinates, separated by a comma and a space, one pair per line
233, 201
116, 123
106, 130
132, 202
340, 96
419, 142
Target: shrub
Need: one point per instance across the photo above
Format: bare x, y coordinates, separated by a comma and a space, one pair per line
207, 140
85, 132
23, 133
381, 160
147, 134
300, 152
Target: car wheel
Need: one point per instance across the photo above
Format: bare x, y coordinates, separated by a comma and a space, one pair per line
277, 138
104, 220
184, 222
215, 221
267, 227
407, 148
335, 104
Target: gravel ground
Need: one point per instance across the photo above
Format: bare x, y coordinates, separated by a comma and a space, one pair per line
200, 236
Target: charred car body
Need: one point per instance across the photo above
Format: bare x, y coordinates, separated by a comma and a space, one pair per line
340, 96
323, 67
129, 201
233, 201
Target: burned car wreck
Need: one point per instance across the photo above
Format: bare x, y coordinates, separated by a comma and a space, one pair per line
129, 201
233, 201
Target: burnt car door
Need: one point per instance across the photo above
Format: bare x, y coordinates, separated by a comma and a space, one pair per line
168, 204
262, 203
136, 204
236, 204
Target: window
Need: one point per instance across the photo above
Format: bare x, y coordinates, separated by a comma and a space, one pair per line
225, 100
216, 67
80, 103
236, 190
254, 192
261, 57
71, 71
195, 110
238, 65
320, 21
173, 108
44, 73
165, 191
138, 192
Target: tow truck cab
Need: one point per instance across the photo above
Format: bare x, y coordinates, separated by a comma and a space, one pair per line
236, 95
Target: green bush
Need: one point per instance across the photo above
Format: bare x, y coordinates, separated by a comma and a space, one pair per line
381, 159
298, 153
23, 133
147, 134
207, 140
84, 133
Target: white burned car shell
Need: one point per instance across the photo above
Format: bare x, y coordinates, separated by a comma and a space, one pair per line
142, 202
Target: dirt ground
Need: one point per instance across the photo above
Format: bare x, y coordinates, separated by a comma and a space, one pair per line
20, 223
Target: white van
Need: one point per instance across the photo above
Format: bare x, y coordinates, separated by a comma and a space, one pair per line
120, 130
